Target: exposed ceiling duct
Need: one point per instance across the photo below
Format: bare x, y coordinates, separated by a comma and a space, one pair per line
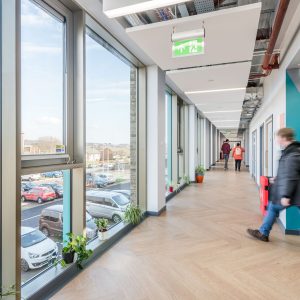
203, 6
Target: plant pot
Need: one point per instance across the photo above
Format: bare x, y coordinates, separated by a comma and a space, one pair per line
171, 189
102, 235
199, 178
68, 257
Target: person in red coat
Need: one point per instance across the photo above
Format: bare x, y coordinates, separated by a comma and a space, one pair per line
237, 154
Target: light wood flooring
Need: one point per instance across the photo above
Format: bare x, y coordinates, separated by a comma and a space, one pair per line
197, 249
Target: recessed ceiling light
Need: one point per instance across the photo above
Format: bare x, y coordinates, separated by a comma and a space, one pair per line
215, 91
114, 10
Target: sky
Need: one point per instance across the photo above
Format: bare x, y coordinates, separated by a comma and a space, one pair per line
107, 83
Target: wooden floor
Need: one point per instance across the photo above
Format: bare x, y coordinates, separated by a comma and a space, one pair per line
198, 249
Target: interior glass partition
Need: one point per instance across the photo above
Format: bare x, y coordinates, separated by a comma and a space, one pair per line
110, 130
168, 138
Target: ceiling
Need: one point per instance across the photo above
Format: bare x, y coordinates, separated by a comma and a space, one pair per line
224, 41
225, 64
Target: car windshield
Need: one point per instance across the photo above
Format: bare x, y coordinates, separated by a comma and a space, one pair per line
120, 200
32, 238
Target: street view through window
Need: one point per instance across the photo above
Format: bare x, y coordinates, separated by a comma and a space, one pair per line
107, 131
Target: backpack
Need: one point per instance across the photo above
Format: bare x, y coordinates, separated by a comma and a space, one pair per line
238, 151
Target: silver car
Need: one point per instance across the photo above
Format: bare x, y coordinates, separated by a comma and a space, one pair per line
106, 204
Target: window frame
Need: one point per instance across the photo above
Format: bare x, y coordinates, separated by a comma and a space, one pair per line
56, 9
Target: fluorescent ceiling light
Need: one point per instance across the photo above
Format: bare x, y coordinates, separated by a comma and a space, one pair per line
215, 91
225, 120
221, 111
136, 6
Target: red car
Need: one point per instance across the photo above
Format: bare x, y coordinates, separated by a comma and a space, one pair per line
39, 194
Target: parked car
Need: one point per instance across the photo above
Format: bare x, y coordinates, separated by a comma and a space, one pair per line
95, 181
57, 188
36, 249
54, 174
109, 178
31, 177
38, 194
106, 204
27, 186
51, 222
126, 193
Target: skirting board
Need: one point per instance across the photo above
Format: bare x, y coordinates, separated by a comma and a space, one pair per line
156, 213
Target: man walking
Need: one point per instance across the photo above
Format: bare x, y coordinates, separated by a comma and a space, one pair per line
226, 151
237, 154
285, 190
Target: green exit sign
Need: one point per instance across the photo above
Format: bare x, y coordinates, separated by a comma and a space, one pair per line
188, 47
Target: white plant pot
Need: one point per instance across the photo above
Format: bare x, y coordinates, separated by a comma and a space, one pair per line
102, 235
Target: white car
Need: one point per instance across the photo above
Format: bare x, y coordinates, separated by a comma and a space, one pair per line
108, 178
106, 204
36, 249
31, 177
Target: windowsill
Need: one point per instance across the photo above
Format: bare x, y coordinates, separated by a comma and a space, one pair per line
52, 279
169, 195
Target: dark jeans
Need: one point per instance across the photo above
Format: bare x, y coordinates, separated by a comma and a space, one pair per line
238, 164
226, 157
270, 218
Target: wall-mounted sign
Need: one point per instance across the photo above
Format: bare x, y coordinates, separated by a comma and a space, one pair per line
60, 149
187, 47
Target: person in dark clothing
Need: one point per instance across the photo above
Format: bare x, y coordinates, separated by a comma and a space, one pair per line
226, 151
285, 189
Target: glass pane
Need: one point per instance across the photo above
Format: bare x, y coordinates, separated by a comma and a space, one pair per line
110, 109
42, 93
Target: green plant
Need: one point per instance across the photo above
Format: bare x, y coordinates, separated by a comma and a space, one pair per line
10, 291
101, 224
200, 170
77, 245
186, 179
133, 214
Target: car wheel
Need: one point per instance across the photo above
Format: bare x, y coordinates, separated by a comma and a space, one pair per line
23, 199
39, 200
117, 218
45, 231
24, 265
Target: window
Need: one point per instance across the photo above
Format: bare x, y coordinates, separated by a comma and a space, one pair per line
180, 138
42, 232
110, 129
43, 79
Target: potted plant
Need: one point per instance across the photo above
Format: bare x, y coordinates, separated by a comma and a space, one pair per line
133, 214
186, 179
199, 174
75, 246
102, 225
10, 291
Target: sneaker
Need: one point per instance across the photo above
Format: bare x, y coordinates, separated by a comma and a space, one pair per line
258, 235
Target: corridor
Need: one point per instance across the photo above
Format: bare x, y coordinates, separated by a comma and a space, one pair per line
197, 249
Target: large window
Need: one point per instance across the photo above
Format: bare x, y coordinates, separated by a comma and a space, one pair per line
43, 79
180, 138
110, 130
46, 195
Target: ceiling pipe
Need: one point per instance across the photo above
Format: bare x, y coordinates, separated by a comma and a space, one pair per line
282, 8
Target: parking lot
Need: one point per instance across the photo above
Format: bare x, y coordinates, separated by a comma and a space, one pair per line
31, 212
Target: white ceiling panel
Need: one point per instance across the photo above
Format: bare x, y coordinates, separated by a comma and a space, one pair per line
229, 37
220, 98
224, 76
